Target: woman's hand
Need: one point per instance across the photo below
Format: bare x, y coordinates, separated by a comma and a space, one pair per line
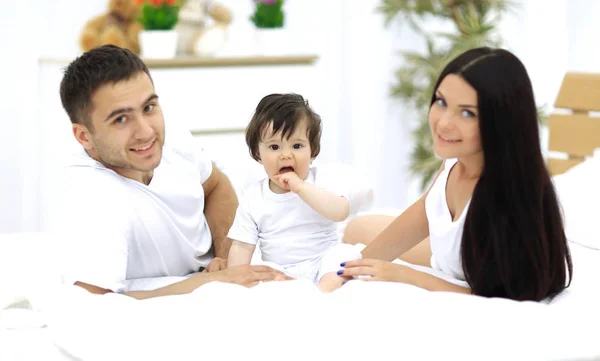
376, 270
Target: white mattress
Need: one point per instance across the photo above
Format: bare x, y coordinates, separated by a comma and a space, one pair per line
42, 319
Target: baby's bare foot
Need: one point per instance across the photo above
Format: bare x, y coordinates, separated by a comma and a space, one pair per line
331, 282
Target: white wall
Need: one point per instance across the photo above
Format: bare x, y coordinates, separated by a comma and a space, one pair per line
363, 125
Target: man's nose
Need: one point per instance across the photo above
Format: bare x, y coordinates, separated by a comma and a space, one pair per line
144, 128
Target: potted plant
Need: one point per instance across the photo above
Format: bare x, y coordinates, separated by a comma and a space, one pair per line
269, 20
158, 18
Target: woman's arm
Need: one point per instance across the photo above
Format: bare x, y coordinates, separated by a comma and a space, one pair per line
402, 234
406, 231
240, 253
433, 283
377, 270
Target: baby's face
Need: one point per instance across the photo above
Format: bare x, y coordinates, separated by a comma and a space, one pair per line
280, 154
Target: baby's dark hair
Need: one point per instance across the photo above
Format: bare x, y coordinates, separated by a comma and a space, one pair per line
285, 112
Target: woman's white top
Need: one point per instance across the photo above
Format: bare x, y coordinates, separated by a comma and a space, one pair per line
445, 234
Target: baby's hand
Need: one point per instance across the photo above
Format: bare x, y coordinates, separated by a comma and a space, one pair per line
289, 181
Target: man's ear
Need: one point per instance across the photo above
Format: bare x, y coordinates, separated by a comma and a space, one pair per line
82, 134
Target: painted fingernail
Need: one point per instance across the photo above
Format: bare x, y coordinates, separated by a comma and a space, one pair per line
343, 264
340, 272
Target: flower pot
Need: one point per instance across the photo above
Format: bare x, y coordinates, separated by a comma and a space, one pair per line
271, 41
158, 44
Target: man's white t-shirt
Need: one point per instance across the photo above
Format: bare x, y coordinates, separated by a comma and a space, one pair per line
288, 231
116, 229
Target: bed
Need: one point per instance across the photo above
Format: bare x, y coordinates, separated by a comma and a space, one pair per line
41, 318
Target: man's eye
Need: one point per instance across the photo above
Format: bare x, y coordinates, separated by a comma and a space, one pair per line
149, 108
120, 119
274, 147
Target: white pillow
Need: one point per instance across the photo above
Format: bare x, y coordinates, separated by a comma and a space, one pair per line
578, 192
28, 275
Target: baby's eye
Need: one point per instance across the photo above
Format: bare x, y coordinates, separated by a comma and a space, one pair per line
274, 147
297, 146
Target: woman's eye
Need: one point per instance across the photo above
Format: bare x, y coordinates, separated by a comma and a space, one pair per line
441, 102
120, 119
274, 147
148, 108
297, 146
468, 114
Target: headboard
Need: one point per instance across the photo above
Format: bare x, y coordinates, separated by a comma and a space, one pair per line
575, 132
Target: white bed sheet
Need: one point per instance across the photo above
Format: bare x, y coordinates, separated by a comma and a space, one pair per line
286, 320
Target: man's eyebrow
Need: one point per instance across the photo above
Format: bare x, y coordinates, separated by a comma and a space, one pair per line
128, 109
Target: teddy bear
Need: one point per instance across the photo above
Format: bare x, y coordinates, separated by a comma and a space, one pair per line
118, 26
195, 35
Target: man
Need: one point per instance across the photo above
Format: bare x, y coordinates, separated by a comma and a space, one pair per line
140, 201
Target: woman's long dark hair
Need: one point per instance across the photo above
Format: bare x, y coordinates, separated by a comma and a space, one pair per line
514, 244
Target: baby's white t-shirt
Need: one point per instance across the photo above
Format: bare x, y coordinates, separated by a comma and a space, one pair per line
116, 229
288, 231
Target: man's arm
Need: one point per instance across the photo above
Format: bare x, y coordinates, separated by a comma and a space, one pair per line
179, 288
220, 204
246, 275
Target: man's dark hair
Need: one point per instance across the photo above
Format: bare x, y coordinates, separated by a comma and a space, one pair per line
285, 112
90, 71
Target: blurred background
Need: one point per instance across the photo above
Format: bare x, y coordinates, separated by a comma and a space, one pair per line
364, 65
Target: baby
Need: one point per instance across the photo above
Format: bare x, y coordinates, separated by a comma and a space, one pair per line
292, 213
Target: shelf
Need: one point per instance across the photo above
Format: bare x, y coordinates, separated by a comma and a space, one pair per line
207, 62
217, 131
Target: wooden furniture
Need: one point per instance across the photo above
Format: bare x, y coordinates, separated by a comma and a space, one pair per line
205, 62
575, 129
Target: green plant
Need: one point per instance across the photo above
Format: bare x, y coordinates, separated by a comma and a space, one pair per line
158, 14
474, 24
268, 14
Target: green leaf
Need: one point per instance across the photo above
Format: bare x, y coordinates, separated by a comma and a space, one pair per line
268, 16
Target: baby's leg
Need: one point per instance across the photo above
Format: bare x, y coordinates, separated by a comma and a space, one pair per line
331, 282
328, 279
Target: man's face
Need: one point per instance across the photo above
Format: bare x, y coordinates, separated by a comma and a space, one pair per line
128, 129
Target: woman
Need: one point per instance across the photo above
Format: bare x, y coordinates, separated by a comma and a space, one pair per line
491, 217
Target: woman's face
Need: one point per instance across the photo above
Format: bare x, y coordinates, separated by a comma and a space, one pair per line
454, 119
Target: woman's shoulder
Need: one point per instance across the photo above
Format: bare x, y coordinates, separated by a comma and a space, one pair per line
444, 168
448, 163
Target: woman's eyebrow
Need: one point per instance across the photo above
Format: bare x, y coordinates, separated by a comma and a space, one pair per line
460, 105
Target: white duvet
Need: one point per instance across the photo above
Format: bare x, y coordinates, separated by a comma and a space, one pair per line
292, 320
